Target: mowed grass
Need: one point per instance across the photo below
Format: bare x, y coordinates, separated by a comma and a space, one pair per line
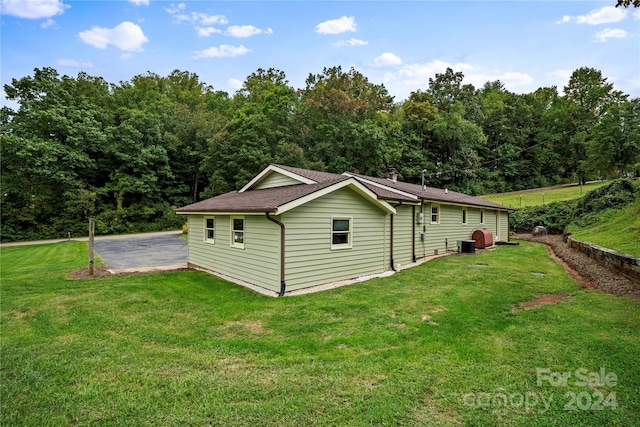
438, 344
617, 229
541, 196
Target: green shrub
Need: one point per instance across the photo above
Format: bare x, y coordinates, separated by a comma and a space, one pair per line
557, 216
554, 216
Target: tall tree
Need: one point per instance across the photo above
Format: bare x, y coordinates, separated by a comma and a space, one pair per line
615, 147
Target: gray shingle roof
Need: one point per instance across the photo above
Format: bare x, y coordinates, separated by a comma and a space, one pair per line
434, 194
264, 200
270, 199
316, 176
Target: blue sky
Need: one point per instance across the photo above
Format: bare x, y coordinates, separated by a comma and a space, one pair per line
525, 44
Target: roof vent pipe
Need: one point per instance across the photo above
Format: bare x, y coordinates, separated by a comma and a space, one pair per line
446, 191
424, 186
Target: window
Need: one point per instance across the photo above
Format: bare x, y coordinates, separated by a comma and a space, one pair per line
482, 217
209, 230
237, 232
340, 233
435, 214
464, 216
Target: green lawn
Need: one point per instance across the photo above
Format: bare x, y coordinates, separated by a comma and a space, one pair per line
438, 344
617, 229
541, 196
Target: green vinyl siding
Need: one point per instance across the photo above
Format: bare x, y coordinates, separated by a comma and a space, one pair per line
309, 258
402, 234
258, 263
504, 227
276, 180
452, 228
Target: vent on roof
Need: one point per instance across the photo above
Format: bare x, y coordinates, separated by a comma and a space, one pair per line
393, 175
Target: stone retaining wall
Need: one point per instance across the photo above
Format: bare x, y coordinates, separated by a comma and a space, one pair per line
616, 261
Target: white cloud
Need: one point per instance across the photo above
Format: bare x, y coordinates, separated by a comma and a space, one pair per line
207, 31
386, 59
222, 51
417, 75
510, 79
140, 2
636, 15
243, 31
48, 23
176, 8
126, 36
610, 33
74, 63
201, 22
337, 26
351, 42
33, 9
605, 15
410, 77
234, 84
565, 74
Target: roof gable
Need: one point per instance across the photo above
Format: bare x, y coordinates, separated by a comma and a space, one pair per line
271, 169
278, 200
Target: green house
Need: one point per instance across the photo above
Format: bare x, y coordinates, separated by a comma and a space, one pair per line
291, 228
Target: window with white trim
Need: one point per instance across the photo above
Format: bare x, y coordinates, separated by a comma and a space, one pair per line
435, 214
341, 232
209, 229
464, 216
237, 232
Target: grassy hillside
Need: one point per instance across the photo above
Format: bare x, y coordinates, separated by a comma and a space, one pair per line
617, 229
446, 343
541, 196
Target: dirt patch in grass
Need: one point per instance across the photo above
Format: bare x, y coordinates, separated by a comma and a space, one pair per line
253, 326
539, 301
588, 273
102, 272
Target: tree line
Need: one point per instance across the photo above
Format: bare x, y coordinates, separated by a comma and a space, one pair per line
128, 153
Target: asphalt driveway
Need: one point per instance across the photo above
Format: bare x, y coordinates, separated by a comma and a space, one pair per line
140, 251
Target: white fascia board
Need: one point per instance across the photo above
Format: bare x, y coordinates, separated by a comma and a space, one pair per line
210, 213
357, 186
377, 184
271, 169
465, 205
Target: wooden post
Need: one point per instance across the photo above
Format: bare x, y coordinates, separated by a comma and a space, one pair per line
92, 229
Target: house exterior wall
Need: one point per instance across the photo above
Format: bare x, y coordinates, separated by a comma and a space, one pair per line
276, 180
402, 235
309, 258
258, 263
451, 227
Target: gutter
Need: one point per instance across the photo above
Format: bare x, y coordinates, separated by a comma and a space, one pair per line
393, 266
283, 284
413, 232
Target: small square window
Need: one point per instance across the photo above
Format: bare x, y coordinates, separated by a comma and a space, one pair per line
209, 230
435, 214
340, 233
237, 232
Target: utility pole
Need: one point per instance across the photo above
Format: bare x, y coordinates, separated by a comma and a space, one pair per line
92, 229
